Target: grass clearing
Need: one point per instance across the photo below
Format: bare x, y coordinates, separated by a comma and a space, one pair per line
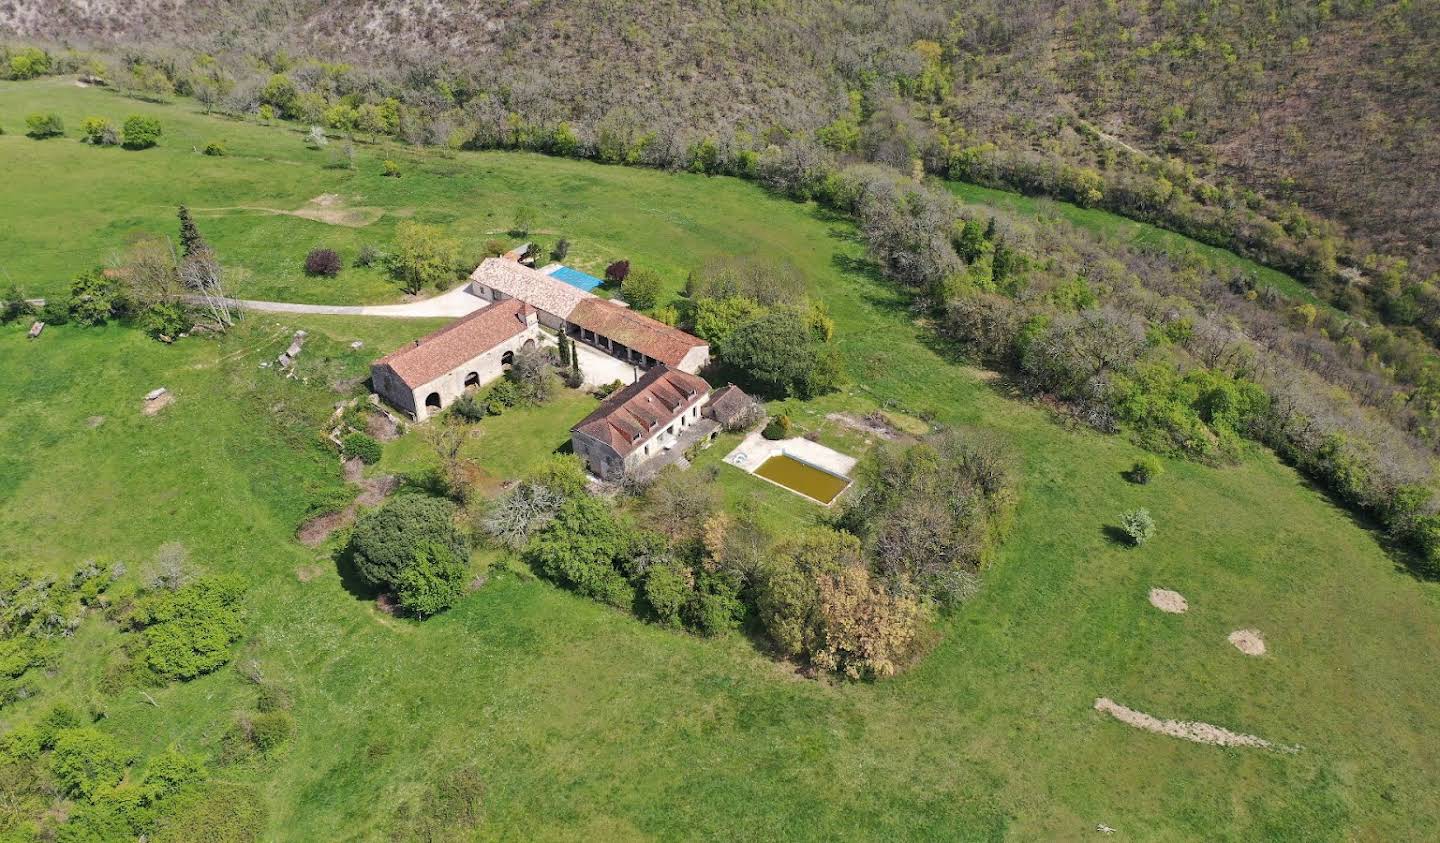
585, 722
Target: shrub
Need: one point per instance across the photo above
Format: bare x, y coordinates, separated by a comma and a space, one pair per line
615, 273
384, 541
777, 428
532, 375
1138, 526
432, 582
470, 408
503, 394
667, 590
29, 63
270, 730
166, 320
1146, 468
188, 632
368, 255
580, 548
86, 759
99, 131
361, 445
44, 125
391, 168
782, 355
215, 148
642, 289
141, 132
562, 248
323, 262
715, 607
523, 221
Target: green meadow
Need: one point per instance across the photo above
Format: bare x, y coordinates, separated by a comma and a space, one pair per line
584, 723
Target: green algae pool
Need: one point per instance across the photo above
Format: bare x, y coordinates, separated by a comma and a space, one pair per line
803, 477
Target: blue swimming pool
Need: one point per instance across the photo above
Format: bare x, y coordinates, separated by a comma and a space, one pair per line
576, 278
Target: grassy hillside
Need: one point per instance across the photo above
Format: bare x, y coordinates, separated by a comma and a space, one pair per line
581, 721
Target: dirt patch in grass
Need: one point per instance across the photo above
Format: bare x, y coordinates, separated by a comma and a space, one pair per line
353, 469
873, 424
381, 427
1190, 730
329, 208
377, 489
306, 573
94, 422
150, 408
1248, 641
1168, 601
314, 532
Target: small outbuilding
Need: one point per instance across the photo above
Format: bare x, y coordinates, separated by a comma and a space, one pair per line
729, 406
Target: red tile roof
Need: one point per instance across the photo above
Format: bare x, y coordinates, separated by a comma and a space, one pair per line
633, 414
663, 342
428, 358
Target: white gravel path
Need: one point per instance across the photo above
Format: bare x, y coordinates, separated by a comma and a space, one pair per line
457, 302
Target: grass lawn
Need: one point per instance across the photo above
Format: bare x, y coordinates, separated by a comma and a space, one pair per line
583, 722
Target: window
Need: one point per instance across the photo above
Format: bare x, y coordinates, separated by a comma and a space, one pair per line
670, 430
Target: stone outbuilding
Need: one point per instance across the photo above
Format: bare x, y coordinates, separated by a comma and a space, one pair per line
425, 376
729, 406
640, 422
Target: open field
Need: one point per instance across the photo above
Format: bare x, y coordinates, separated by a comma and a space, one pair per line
583, 722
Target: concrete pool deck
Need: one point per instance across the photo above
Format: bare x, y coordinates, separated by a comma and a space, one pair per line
756, 449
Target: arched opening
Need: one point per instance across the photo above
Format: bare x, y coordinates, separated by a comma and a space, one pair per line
507, 358
472, 379
433, 400
529, 345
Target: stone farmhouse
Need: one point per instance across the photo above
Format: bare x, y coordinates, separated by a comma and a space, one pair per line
649, 419
587, 318
642, 421
424, 377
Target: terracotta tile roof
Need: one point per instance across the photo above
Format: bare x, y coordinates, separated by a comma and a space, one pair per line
633, 414
428, 358
667, 344
529, 285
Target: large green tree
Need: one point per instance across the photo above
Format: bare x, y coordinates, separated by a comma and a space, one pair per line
384, 542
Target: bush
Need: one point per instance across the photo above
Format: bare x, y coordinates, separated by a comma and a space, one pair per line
470, 408
1138, 526
580, 549
384, 541
188, 632
361, 445
86, 759
270, 730
323, 262
641, 289
391, 169
215, 149
44, 125
782, 355
166, 320
777, 428
502, 394
562, 248
433, 581
99, 131
369, 255
616, 272
667, 590
141, 132
1146, 468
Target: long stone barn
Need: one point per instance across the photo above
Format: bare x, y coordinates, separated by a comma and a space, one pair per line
423, 377
589, 319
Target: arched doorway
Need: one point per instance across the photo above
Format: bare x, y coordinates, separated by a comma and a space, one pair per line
472, 379
529, 345
433, 400
507, 358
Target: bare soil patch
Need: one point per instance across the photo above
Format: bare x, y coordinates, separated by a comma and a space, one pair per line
1190, 730
873, 424
1168, 601
306, 573
314, 532
377, 489
329, 208
1248, 641
94, 421
353, 469
150, 408
381, 427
